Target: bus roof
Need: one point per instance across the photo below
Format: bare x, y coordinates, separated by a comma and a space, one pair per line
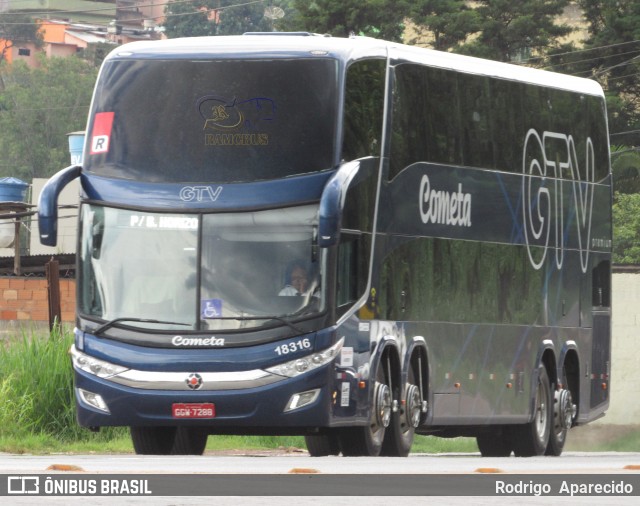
297, 45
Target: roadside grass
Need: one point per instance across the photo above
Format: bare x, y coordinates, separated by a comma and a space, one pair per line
629, 443
37, 411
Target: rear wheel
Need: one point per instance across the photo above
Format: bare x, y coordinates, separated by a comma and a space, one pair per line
153, 440
532, 438
322, 445
399, 436
564, 411
190, 441
367, 440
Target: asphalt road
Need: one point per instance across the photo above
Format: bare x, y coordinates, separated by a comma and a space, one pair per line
280, 463
245, 471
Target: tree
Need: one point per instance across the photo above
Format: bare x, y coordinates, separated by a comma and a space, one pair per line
613, 58
626, 228
382, 19
242, 19
513, 29
38, 108
16, 28
190, 19
217, 17
625, 167
447, 22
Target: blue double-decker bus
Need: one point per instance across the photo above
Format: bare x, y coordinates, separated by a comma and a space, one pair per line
347, 239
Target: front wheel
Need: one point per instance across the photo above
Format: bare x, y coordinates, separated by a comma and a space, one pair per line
531, 439
190, 441
153, 440
367, 441
322, 445
495, 443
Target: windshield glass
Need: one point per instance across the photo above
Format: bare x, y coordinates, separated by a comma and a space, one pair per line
225, 271
217, 121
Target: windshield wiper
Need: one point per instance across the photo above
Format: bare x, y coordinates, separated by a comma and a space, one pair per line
115, 321
249, 318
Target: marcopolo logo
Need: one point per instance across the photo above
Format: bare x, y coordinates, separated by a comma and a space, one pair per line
442, 207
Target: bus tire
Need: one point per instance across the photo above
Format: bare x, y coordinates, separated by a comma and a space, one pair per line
190, 441
153, 440
495, 443
367, 441
563, 414
322, 445
531, 439
400, 434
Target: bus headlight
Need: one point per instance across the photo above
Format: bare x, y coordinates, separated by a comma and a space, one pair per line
94, 400
302, 399
94, 366
306, 364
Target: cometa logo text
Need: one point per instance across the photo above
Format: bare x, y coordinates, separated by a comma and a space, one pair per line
197, 341
442, 207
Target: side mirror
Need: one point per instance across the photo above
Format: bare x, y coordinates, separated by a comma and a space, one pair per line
332, 203
48, 204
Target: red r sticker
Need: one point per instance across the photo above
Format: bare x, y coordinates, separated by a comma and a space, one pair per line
101, 134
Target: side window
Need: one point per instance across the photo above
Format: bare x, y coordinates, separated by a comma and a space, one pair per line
353, 268
363, 109
409, 104
475, 121
425, 117
506, 105
347, 270
597, 130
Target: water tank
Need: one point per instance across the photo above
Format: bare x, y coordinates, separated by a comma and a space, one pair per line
11, 190
76, 146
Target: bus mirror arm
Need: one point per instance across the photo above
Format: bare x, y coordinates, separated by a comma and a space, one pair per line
332, 203
48, 204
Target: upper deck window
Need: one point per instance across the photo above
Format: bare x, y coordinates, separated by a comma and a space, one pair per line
216, 121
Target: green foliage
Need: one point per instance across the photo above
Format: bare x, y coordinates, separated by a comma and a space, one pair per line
189, 19
218, 17
626, 228
510, 30
36, 391
382, 19
614, 31
449, 22
625, 165
38, 108
37, 388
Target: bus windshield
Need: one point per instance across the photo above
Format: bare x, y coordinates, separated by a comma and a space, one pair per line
228, 271
221, 121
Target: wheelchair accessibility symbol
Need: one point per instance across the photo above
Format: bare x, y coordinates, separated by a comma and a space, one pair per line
210, 308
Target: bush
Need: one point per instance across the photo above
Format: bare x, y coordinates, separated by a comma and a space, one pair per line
36, 392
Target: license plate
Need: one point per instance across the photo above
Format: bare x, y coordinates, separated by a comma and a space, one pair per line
194, 410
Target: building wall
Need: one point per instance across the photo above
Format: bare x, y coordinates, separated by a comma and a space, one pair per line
625, 359
25, 299
60, 50
53, 32
12, 54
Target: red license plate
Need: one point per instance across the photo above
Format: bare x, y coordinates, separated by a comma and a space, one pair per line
193, 410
